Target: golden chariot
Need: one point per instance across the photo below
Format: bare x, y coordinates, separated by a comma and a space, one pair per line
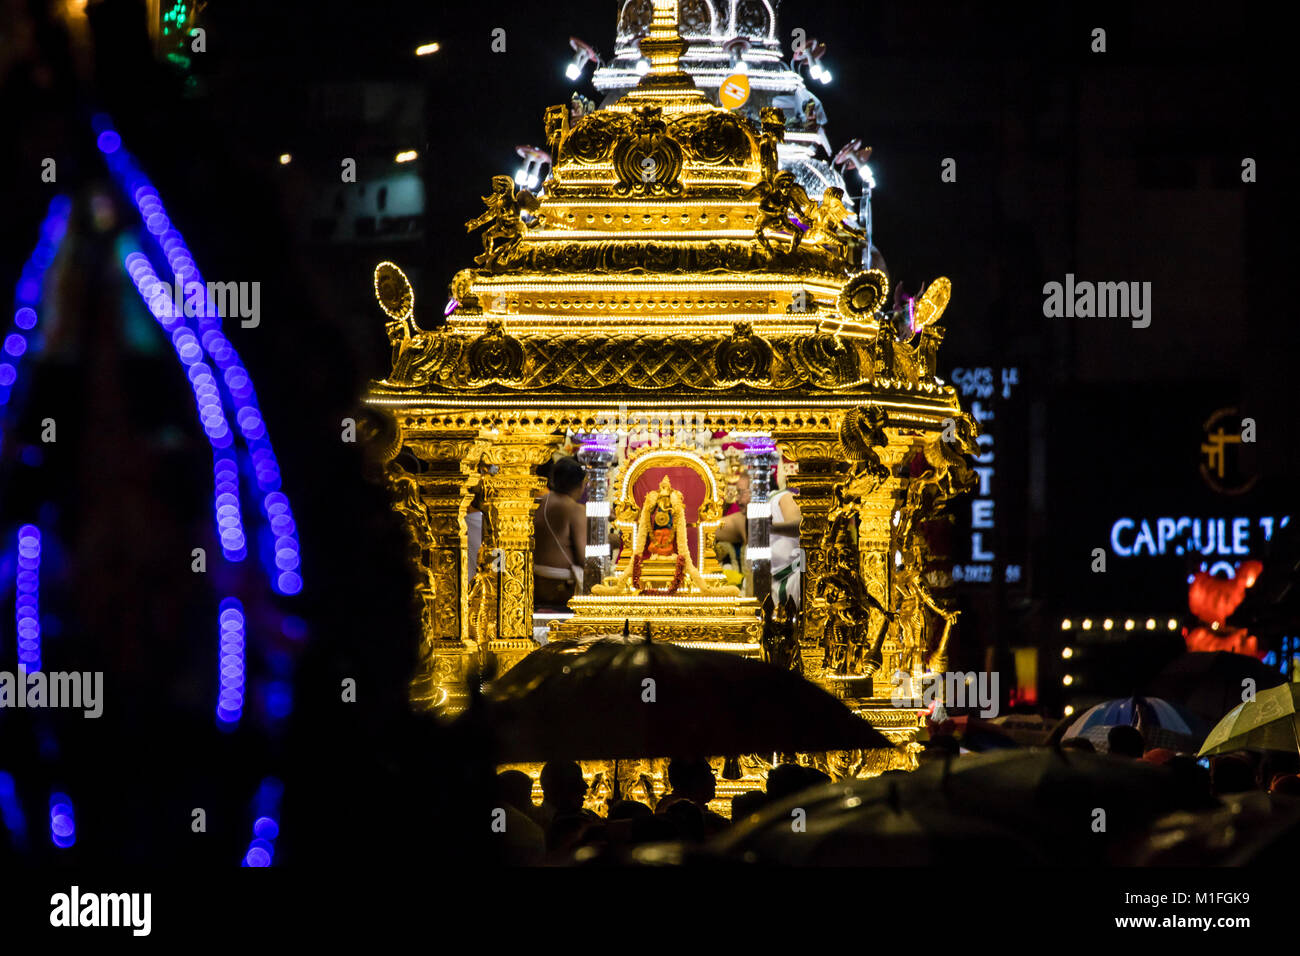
678, 275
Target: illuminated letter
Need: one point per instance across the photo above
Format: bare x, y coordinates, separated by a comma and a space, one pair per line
1240, 535
1121, 550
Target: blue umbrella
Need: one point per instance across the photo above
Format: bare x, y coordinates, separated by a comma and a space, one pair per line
1161, 723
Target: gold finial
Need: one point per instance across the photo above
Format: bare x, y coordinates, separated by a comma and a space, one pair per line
663, 47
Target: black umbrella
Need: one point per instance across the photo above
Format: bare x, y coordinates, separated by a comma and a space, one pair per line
1027, 805
1210, 684
878, 825
1246, 829
621, 698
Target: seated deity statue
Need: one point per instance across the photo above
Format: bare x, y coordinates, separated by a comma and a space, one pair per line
665, 511
660, 550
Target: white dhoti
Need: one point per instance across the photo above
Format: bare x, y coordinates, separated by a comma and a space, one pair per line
571, 573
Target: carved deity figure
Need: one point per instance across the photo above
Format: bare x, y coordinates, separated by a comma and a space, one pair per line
407, 501
779, 198
946, 475
912, 602
662, 516
827, 226
502, 217
773, 126
856, 584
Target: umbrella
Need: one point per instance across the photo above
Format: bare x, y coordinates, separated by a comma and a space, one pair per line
1247, 829
881, 822
1211, 684
620, 698
1269, 722
1024, 805
1160, 722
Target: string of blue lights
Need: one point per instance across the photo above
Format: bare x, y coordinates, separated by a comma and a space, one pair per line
23, 339
231, 382
282, 557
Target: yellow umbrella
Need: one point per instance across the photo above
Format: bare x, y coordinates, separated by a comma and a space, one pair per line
1269, 722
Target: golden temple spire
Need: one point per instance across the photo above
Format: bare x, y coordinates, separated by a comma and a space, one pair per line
663, 47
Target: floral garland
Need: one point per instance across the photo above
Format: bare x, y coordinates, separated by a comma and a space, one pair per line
653, 592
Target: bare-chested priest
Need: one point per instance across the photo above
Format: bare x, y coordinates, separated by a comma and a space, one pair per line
560, 535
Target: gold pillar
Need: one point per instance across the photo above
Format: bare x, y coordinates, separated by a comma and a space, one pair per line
507, 555
445, 485
876, 548
821, 466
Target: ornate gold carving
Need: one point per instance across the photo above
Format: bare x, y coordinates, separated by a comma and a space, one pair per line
743, 357
779, 198
863, 294
772, 123
501, 602
556, 123
714, 139
930, 305
856, 581
827, 223
394, 292
495, 356
502, 217
641, 361
646, 276
648, 162
827, 361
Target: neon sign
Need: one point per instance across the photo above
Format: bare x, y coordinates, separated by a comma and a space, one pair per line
978, 384
1225, 537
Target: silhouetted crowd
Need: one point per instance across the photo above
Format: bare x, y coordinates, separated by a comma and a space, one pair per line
561, 827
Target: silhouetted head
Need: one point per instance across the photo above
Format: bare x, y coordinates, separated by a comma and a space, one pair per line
784, 780
688, 820
563, 785
743, 804
1125, 741
515, 788
814, 777
692, 778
